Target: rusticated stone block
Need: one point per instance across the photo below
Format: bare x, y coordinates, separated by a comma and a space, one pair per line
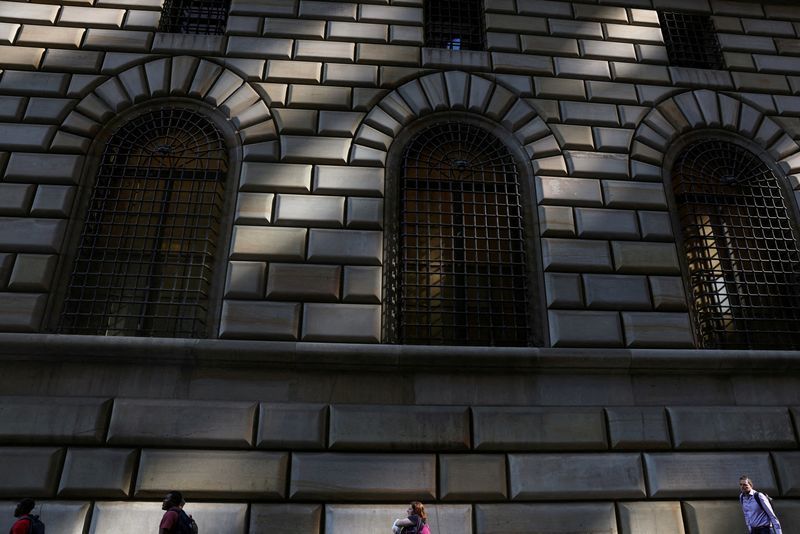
285, 518
714, 517
662, 329
298, 426
724, 427
210, 474
362, 247
563, 290
362, 284
278, 177
245, 280
356, 323
568, 191
31, 471
598, 223
268, 243
578, 328
291, 281
640, 195
97, 473
788, 469
645, 258
62, 420
309, 210
571, 255
546, 518
399, 428
242, 319
569, 476
138, 517
519, 429
21, 312
650, 518
701, 474
637, 428
32, 272
363, 477
367, 519
472, 477
185, 423
616, 292
67, 517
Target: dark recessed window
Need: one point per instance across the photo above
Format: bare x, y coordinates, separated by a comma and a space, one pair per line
454, 24
691, 40
741, 249
205, 17
146, 252
461, 264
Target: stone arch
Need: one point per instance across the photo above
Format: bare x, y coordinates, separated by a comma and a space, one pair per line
454, 91
182, 76
705, 109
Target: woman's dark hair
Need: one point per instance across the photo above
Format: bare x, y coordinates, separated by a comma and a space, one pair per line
417, 508
175, 497
24, 507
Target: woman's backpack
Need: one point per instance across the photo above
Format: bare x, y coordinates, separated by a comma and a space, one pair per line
186, 525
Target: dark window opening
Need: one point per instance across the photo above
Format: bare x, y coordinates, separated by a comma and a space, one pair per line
741, 249
204, 17
461, 266
146, 252
454, 24
691, 40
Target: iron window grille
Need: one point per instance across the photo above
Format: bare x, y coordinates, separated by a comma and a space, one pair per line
454, 24
691, 40
204, 17
461, 265
146, 252
741, 249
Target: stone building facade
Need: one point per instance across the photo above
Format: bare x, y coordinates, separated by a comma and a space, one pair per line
532, 262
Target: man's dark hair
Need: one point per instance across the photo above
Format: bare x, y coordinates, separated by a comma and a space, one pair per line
24, 507
175, 497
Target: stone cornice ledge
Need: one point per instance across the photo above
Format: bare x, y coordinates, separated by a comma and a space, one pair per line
362, 357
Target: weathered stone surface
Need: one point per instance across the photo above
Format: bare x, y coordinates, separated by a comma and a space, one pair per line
363, 477
645, 258
279, 177
549, 518
721, 427
243, 319
616, 292
713, 517
309, 210
788, 469
285, 518
568, 191
245, 279
650, 518
384, 427
21, 312
701, 474
138, 517
32, 272
519, 429
575, 476
595, 223
637, 428
97, 473
573, 255
649, 329
29, 471
209, 474
268, 243
563, 290
62, 420
345, 246
472, 477
367, 519
297, 425
181, 423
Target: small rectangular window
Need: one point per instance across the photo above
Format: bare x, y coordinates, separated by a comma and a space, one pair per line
454, 24
691, 40
202, 17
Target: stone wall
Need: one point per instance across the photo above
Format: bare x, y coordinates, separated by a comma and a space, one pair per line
317, 91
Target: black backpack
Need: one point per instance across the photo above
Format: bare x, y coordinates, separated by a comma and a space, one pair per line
186, 525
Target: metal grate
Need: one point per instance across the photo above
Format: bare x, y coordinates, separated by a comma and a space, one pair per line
204, 17
454, 24
146, 252
691, 40
741, 249
463, 271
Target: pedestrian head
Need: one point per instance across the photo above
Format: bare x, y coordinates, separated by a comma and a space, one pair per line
24, 507
172, 499
745, 484
417, 508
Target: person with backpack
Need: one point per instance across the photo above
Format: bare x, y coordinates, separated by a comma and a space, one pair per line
27, 523
416, 521
758, 514
175, 520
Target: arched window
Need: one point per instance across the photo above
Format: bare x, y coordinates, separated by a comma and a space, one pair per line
740, 246
146, 252
461, 264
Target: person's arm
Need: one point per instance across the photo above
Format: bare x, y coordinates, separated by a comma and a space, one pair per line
404, 522
21, 527
770, 512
